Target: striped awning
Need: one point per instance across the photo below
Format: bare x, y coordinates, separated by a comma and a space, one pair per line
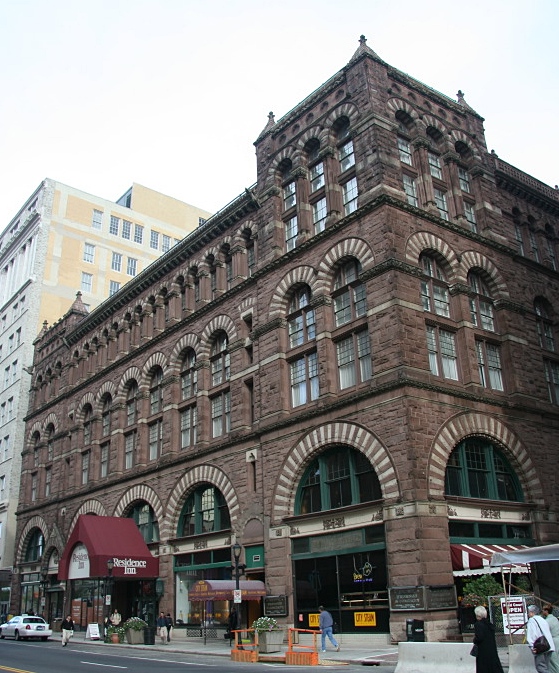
475, 559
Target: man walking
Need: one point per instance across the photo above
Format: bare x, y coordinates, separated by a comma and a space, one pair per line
537, 626
162, 628
326, 624
67, 628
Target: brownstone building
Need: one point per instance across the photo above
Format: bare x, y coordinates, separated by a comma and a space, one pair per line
351, 370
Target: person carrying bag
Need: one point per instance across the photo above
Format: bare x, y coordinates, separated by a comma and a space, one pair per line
539, 639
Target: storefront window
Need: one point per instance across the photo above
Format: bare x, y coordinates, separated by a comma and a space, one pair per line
357, 598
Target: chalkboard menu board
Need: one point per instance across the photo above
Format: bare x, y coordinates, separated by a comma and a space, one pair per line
440, 597
406, 598
275, 606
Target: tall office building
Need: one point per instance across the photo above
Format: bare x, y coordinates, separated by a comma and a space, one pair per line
351, 372
63, 240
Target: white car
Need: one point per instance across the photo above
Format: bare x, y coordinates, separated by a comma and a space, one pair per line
24, 627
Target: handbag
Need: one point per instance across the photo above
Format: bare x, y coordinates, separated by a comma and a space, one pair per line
541, 644
474, 650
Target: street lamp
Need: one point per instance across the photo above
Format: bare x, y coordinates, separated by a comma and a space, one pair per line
109, 586
238, 569
44, 584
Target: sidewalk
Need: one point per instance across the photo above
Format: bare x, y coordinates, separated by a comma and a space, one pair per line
351, 651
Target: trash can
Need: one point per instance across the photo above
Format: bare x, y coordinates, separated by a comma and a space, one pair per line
149, 635
415, 630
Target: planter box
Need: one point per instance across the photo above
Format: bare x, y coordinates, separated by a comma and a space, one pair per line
134, 637
270, 641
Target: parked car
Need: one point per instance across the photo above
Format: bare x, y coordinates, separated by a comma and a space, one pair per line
23, 627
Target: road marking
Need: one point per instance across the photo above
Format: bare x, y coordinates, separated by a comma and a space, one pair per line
14, 670
93, 663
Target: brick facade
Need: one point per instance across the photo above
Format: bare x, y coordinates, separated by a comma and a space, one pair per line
235, 276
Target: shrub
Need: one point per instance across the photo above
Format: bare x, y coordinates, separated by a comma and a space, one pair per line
135, 624
263, 624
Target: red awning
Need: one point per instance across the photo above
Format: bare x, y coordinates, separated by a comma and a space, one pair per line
96, 539
222, 590
475, 559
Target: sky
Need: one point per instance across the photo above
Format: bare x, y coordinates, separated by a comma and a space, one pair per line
172, 94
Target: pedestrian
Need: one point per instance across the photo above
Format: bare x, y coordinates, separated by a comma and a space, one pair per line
116, 618
537, 626
169, 621
162, 627
67, 627
553, 623
487, 658
326, 624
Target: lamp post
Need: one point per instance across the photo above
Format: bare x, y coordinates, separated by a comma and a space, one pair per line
109, 586
44, 584
237, 569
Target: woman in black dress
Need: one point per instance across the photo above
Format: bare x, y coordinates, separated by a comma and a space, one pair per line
487, 659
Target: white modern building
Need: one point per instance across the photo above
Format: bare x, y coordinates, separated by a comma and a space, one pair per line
60, 242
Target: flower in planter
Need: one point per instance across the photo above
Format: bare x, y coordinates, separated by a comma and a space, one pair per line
134, 624
119, 630
263, 624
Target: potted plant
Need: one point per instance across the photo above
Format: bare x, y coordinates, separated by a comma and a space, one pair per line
134, 630
115, 634
270, 636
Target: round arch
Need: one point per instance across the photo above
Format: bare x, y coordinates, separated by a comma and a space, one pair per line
198, 475
319, 438
140, 492
302, 274
467, 424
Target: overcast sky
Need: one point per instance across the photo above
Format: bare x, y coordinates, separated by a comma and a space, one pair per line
172, 93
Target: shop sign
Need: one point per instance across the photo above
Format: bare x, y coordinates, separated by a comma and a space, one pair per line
514, 614
130, 565
364, 618
79, 563
275, 606
314, 620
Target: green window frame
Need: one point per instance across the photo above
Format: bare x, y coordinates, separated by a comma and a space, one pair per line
144, 517
477, 468
35, 546
338, 477
205, 511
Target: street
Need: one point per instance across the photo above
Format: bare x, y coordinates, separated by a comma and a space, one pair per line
50, 657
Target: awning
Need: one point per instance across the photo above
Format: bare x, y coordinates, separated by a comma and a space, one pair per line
96, 539
222, 590
475, 559
547, 552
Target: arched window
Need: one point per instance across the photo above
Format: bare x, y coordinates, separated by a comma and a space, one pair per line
477, 468
544, 325
481, 303
220, 359
50, 442
189, 375
106, 415
349, 294
156, 391
205, 511
434, 286
87, 424
250, 251
144, 517
35, 546
301, 322
131, 403
338, 477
